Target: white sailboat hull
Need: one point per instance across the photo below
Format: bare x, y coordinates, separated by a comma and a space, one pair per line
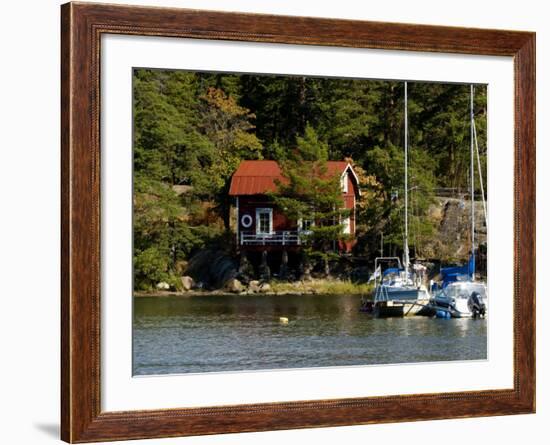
400, 300
390, 293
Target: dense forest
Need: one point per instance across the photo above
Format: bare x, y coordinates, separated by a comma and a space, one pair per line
192, 129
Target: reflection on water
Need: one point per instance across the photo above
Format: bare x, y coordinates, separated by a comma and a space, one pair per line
228, 333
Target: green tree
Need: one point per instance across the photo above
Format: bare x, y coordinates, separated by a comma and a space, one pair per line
168, 144
229, 128
170, 149
309, 193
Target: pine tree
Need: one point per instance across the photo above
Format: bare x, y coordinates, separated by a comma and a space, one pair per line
309, 193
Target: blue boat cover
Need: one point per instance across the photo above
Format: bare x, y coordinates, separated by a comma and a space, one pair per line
458, 273
390, 270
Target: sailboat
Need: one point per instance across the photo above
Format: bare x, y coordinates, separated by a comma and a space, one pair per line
399, 290
461, 295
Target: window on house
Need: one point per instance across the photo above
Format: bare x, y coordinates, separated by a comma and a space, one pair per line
264, 221
346, 225
344, 182
305, 224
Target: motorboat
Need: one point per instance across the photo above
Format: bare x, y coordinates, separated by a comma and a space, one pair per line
461, 299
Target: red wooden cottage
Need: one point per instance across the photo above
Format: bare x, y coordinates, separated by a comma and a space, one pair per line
260, 225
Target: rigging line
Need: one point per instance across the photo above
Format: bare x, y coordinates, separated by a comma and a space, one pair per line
472, 179
406, 137
457, 178
480, 176
415, 218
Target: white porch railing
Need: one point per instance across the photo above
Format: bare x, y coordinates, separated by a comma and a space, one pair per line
283, 238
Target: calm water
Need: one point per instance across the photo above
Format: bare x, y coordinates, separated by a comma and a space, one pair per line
221, 333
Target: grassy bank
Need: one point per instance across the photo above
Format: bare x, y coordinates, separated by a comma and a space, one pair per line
321, 286
317, 286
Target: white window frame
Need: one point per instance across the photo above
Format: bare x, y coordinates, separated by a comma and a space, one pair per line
344, 181
300, 224
269, 211
346, 223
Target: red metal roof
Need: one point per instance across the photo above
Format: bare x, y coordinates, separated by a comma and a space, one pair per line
258, 177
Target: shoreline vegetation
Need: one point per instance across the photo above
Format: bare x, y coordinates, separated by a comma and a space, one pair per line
324, 286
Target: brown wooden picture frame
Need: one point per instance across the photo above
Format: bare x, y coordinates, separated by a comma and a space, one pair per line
82, 26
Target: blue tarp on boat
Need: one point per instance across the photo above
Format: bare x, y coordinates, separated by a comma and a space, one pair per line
390, 270
458, 273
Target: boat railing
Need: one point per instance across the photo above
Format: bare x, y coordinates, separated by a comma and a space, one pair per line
378, 273
381, 294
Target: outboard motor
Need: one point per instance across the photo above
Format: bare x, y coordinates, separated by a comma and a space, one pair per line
367, 306
476, 305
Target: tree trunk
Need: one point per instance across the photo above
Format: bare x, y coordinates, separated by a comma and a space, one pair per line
283, 271
305, 267
327, 267
265, 271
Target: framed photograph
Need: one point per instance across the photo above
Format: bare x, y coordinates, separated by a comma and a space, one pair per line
274, 222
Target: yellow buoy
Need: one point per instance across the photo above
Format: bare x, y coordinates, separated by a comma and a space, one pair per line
283, 320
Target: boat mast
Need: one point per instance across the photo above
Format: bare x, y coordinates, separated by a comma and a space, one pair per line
406, 240
480, 175
472, 197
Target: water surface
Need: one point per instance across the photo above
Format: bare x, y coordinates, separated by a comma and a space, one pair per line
230, 333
